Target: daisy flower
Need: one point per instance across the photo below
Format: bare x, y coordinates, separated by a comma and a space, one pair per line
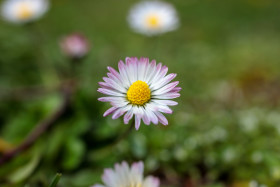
153, 18
22, 11
124, 176
141, 89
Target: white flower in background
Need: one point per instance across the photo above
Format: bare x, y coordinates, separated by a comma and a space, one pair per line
22, 11
141, 89
153, 18
254, 183
123, 176
75, 45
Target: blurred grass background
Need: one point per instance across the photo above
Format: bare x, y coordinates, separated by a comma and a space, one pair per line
224, 132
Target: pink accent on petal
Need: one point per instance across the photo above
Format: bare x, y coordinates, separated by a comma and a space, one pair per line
109, 111
115, 73
118, 113
104, 85
146, 118
163, 81
124, 74
176, 89
137, 121
162, 118
166, 88
108, 177
138, 168
165, 102
165, 109
128, 116
109, 92
105, 99
169, 95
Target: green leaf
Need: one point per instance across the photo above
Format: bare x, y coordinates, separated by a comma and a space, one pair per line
74, 153
55, 180
25, 171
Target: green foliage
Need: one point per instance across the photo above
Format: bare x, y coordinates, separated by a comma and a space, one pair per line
225, 130
55, 180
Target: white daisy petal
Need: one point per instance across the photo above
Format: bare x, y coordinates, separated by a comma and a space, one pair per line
162, 119
165, 102
153, 118
163, 81
137, 121
124, 75
150, 71
170, 95
114, 85
140, 89
143, 67
166, 88
110, 111
109, 177
159, 78
146, 117
152, 77
109, 92
164, 109
120, 111
125, 176
128, 116
151, 181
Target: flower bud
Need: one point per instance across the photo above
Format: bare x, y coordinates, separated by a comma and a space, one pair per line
75, 46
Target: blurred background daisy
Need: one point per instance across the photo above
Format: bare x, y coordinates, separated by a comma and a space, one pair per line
153, 18
123, 175
22, 11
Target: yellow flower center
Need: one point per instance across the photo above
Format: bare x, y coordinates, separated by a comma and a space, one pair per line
153, 21
24, 11
139, 93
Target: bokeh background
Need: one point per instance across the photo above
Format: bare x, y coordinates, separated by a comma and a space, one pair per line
224, 132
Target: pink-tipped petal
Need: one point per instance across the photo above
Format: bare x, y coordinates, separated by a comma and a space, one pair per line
109, 92
162, 119
137, 121
163, 81
170, 95
176, 89
138, 168
151, 181
110, 111
108, 177
128, 116
165, 102
164, 109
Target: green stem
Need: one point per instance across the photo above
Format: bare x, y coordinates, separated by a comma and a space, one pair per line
55, 180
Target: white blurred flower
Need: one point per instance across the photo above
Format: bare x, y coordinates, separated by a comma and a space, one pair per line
229, 155
75, 45
249, 120
153, 18
22, 11
124, 176
254, 183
